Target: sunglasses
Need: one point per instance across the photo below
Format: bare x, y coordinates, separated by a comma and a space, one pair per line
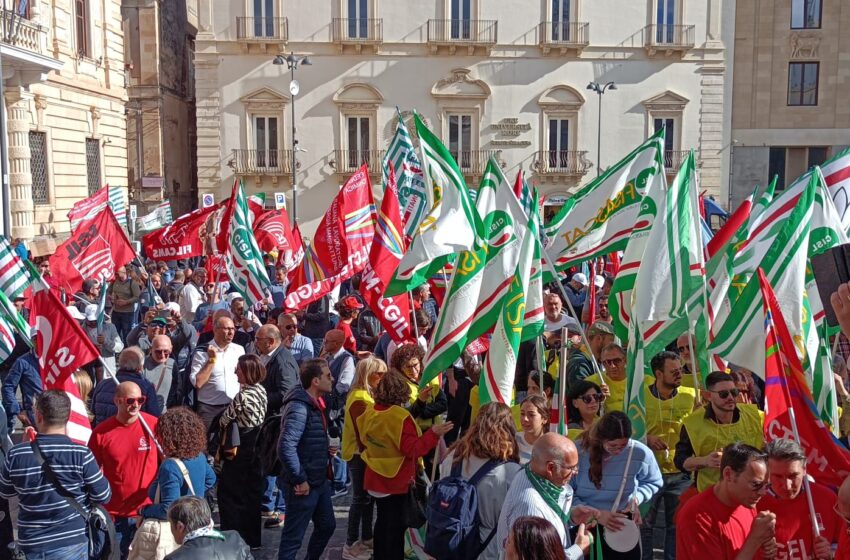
132, 401
724, 394
587, 399
615, 362
162, 352
290, 327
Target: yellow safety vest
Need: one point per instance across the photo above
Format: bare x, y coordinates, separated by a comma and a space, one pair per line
350, 446
708, 436
381, 432
423, 423
475, 405
664, 420
618, 392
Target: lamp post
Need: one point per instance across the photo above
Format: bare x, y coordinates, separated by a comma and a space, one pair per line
600, 91
292, 62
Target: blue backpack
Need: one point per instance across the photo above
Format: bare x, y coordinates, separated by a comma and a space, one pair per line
453, 530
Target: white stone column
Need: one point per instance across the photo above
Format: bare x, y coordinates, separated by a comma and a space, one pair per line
20, 174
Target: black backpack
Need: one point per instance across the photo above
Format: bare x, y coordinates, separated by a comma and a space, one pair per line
265, 451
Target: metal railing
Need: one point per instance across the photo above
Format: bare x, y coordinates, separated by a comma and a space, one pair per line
473, 162
673, 159
262, 28
565, 33
563, 162
669, 36
349, 161
21, 32
463, 31
262, 162
358, 30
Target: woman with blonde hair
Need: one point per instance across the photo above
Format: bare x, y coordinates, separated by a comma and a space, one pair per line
368, 374
487, 456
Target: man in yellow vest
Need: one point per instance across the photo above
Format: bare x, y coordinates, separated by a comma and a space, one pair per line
706, 431
684, 347
667, 404
613, 381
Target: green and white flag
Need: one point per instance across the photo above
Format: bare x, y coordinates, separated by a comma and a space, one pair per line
243, 258
159, 217
533, 325
605, 211
14, 276
10, 321
412, 194
451, 224
497, 374
551, 229
482, 277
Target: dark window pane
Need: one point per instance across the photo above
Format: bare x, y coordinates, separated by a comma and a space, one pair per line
553, 135
816, 156
364, 136
454, 133
93, 164
776, 167
272, 126
810, 84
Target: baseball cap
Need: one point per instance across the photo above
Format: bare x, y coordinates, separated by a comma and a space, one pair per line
233, 297
173, 306
350, 302
598, 280
75, 313
91, 312
580, 278
600, 327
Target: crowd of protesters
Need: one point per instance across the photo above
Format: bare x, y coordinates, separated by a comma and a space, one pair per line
236, 417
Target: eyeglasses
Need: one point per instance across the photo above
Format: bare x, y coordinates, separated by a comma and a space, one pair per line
682, 349
587, 399
162, 352
262, 338
156, 326
724, 394
132, 401
572, 468
290, 327
616, 362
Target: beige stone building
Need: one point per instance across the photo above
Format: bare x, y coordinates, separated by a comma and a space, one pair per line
790, 96
63, 75
159, 58
492, 77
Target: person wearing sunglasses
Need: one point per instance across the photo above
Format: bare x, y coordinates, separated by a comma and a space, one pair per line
584, 403
126, 452
722, 522
159, 368
786, 497
612, 358
707, 430
300, 346
667, 404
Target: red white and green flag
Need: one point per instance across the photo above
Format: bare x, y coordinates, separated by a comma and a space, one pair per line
412, 194
243, 257
14, 276
836, 173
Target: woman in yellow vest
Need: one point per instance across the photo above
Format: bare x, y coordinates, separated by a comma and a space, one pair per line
584, 402
366, 378
394, 444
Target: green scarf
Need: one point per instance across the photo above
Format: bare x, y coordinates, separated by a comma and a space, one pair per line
549, 492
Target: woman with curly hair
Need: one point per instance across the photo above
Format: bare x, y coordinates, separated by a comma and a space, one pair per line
616, 474
394, 445
183, 472
488, 456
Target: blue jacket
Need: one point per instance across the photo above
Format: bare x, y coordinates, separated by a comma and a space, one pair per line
643, 479
102, 404
173, 486
303, 446
24, 373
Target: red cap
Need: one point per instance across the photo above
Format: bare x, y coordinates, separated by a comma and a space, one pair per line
350, 302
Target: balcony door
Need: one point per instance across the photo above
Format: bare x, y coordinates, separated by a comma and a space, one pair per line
559, 143
460, 139
358, 19
461, 23
561, 20
665, 20
266, 141
264, 20
669, 125
358, 141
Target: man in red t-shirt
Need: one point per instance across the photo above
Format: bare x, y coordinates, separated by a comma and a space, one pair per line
126, 452
795, 540
721, 523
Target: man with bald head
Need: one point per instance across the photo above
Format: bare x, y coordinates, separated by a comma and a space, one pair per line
543, 490
281, 367
130, 364
159, 368
126, 452
213, 372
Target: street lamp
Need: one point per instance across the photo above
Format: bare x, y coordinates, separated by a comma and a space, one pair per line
600, 90
292, 62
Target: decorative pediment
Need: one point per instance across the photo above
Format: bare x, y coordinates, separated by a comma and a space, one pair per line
667, 101
264, 99
459, 85
561, 98
358, 95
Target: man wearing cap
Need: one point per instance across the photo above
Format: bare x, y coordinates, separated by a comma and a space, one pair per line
159, 368
192, 295
104, 336
576, 290
125, 293
25, 373
554, 317
349, 307
143, 333
599, 335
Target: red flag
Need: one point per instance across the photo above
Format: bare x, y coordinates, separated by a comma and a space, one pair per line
386, 252
786, 387
732, 225
614, 263
273, 232
181, 239
61, 345
95, 250
216, 268
88, 208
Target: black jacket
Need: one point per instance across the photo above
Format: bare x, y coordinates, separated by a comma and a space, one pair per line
281, 376
303, 446
211, 548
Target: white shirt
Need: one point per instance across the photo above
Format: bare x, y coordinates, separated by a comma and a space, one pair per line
222, 385
190, 298
563, 321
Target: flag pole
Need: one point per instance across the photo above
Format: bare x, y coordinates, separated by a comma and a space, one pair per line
700, 243
562, 384
413, 314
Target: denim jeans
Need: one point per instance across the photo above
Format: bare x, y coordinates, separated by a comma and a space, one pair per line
362, 504
125, 530
72, 552
124, 322
674, 485
315, 506
270, 501
340, 472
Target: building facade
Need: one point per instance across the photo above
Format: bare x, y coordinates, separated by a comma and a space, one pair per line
506, 78
790, 81
64, 100
159, 38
